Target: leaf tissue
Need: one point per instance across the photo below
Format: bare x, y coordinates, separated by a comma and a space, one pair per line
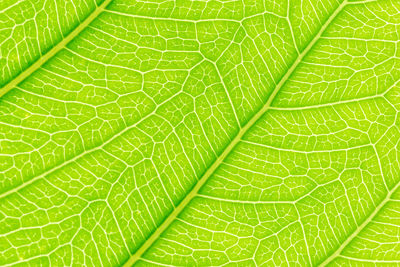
199, 133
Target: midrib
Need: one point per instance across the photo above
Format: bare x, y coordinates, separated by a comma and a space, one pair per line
44, 58
147, 244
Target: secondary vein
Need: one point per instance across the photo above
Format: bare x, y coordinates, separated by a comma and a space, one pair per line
339, 250
44, 58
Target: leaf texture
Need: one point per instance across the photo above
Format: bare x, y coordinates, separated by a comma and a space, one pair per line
200, 133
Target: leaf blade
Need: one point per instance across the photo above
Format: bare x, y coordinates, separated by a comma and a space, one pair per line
146, 142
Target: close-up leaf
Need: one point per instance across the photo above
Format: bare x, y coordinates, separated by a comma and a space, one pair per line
199, 133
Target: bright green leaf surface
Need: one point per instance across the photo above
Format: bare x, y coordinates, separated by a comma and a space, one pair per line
200, 133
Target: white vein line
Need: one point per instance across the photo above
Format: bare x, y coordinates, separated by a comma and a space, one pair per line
361, 227
255, 202
369, 260
86, 152
306, 152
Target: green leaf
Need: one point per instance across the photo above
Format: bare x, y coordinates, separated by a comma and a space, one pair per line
200, 133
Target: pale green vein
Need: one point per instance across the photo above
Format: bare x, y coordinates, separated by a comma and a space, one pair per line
167, 222
337, 252
44, 58
73, 159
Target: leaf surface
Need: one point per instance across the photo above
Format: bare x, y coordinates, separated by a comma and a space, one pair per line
200, 133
